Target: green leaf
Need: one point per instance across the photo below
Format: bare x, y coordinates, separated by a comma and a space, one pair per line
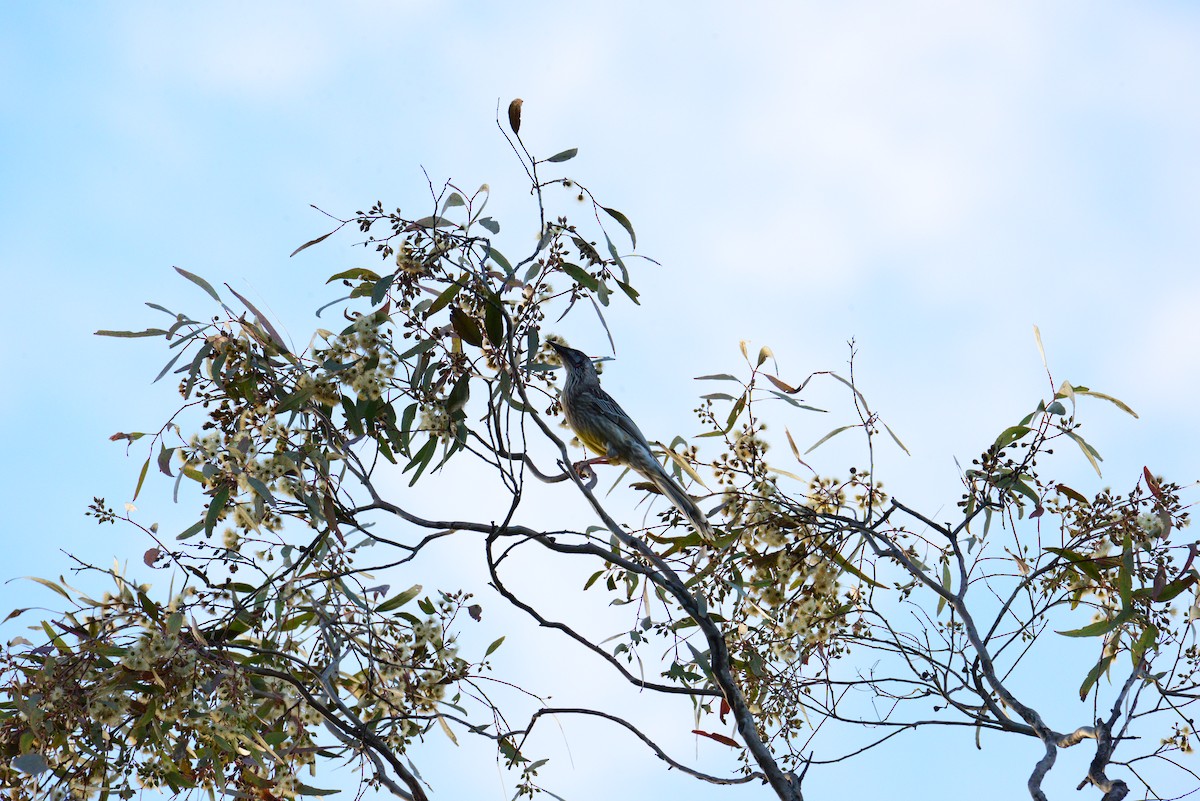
498, 257
458, 396
422, 459
305, 789
1072, 494
381, 289
400, 600
630, 292
141, 478
491, 648
565, 155
1146, 641
891, 434
191, 530
1119, 404
1100, 627
493, 322
164, 460
1010, 435
420, 347
1086, 564
581, 276
309, 243
200, 282
715, 377
452, 201
845, 564
261, 489
355, 273
433, 222
735, 412
167, 367
149, 332
214, 510
443, 300
828, 437
31, 764
946, 585
624, 221
1175, 587
1094, 675
465, 326
51, 585
1125, 574
1092, 456
491, 225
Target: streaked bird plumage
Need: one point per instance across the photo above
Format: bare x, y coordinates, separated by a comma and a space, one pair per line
604, 428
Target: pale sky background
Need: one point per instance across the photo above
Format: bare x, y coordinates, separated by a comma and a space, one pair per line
932, 179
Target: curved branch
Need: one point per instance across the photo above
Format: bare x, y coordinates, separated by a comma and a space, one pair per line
649, 743
579, 638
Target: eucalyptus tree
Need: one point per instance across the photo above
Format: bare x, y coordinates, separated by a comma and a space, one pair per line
816, 604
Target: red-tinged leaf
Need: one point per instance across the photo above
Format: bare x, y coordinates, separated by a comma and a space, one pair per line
151, 556
720, 738
1072, 494
724, 709
795, 450
783, 387
1152, 484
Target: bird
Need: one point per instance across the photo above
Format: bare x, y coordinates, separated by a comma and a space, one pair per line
604, 427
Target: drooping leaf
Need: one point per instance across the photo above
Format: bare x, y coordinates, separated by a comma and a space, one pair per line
1094, 675
1092, 456
215, 507
200, 282
141, 478
624, 221
514, 115
309, 243
465, 326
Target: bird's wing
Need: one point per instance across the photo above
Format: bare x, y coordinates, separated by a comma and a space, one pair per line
626, 430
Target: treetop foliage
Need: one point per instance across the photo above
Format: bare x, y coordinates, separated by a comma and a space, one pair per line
279, 642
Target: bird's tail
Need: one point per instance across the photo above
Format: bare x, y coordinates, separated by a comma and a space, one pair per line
656, 475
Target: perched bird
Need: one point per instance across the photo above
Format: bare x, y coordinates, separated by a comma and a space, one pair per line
604, 427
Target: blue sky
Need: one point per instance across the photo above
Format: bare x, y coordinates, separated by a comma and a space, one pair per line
932, 179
